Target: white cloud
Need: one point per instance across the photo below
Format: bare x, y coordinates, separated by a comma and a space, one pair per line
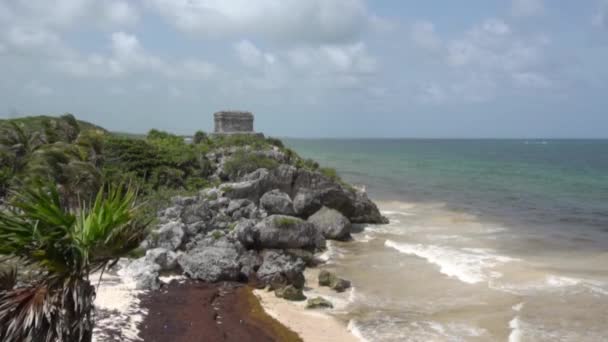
600, 19
32, 38
121, 13
526, 8
493, 46
127, 55
423, 34
351, 58
38, 89
482, 63
251, 56
67, 14
325, 21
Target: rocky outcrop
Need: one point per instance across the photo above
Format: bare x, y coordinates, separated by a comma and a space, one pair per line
331, 223
164, 258
310, 191
279, 231
280, 269
264, 227
290, 293
277, 202
319, 303
211, 264
329, 279
169, 236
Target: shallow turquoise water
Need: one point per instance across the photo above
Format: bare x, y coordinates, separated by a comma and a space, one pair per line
542, 182
489, 240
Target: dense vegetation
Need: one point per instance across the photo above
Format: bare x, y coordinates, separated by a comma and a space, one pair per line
80, 157
57, 223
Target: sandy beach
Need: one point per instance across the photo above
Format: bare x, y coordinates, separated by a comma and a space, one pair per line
311, 325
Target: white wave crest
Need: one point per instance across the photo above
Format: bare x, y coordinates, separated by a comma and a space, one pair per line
516, 330
354, 329
469, 265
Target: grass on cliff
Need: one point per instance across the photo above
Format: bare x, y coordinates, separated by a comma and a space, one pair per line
80, 156
242, 163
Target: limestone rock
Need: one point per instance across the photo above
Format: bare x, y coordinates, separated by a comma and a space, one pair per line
290, 293
319, 303
306, 202
331, 223
277, 202
329, 279
211, 263
278, 231
280, 269
166, 259
169, 236
250, 262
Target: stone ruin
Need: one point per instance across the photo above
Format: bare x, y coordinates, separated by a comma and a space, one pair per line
233, 122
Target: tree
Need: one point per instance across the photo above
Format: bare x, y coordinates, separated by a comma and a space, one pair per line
67, 246
200, 137
20, 143
66, 165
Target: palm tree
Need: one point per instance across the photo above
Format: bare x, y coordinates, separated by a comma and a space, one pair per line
20, 143
68, 166
66, 247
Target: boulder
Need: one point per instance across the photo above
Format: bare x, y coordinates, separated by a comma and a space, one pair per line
170, 214
277, 202
182, 201
250, 262
169, 236
211, 263
197, 212
279, 269
307, 256
143, 272
280, 178
250, 187
331, 223
329, 279
306, 202
253, 185
290, 293
246, 233
237, 204
319, 303
166, 259
282, 232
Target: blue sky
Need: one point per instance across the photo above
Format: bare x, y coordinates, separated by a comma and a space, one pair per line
315, 68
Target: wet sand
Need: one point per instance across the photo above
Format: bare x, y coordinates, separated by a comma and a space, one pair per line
311, 325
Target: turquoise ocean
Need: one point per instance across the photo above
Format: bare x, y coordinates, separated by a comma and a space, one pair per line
489, 240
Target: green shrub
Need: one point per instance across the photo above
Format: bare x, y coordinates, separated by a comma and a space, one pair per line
275, 142
239, 140
242, 163
217, 234
200, 137
307, 164
330, 173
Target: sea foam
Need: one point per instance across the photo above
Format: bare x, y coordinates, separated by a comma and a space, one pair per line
469, 265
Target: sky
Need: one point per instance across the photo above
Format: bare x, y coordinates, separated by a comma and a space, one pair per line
314, 68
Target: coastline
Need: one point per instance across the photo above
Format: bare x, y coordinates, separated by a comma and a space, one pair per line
184, 311
311, 325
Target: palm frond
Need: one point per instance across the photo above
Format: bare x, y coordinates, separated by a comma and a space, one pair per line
8, 279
